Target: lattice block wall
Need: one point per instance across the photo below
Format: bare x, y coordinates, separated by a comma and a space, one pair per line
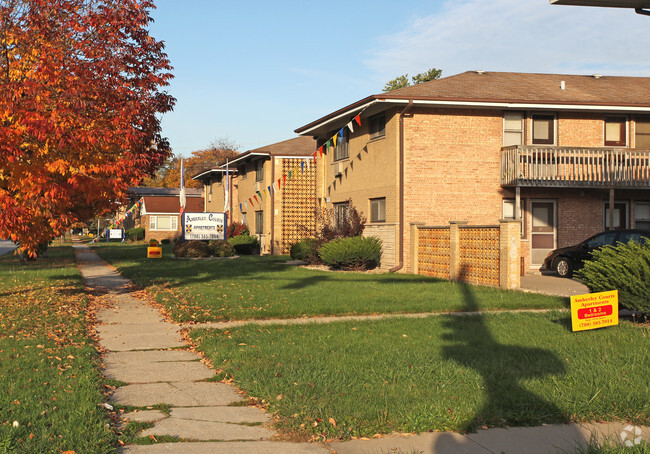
479, 255
433, 252
298, 203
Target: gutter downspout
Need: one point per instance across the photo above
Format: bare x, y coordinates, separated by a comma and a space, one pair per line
404, 113
272, 197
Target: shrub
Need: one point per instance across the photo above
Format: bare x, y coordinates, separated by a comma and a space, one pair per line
165, 241
355, 253
192, 249
135, 234
237, 228
304, 249
220, 248
153, 243
626, 268
350, 225
245, 244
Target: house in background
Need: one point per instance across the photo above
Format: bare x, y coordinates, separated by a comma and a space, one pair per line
159, 213
271, 189
555, 151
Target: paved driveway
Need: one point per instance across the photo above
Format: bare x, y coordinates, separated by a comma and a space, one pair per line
552, 285
6, 246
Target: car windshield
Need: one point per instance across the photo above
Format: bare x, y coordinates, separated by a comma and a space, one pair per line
600, 240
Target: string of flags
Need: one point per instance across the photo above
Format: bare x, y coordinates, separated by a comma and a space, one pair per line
122, 218
307, 163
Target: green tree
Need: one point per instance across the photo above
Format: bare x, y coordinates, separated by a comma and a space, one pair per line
403, 81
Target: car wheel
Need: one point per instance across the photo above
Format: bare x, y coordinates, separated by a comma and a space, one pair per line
563, 267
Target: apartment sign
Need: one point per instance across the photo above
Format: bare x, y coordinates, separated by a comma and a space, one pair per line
594, 310
204, 226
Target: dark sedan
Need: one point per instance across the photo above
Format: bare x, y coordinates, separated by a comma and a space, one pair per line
566, 260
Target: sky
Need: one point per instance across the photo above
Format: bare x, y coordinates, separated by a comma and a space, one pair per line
251, 72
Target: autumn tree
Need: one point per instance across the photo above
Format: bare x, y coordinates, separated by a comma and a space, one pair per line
403, 80
82, 89
168, 176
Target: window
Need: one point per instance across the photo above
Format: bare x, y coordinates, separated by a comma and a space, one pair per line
642, 133
241, 170
163, 223
244, 219
340, 213
259, 222
620, 215
378, 126
513, 128
341, 149
259, 170
642, 215
615, 128
508, 212
378, 210
543, 129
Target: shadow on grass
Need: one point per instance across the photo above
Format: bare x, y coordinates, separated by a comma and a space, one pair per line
501, 367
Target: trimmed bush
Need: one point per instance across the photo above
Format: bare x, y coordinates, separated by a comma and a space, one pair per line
192, 249
626, 268
304, 249
165, 241
237, 228
354, 253
153, 243
245, 244
220, 248
135, 234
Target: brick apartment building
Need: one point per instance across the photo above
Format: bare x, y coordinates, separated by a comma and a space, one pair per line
266, 193
554, 151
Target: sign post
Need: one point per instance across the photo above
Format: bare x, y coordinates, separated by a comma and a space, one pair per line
594, 310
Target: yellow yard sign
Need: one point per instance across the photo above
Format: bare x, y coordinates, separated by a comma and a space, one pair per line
594, 310
154, 252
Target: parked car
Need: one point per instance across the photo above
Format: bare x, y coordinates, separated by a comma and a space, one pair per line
564, 261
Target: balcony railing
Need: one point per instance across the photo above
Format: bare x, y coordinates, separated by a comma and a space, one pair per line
575, 167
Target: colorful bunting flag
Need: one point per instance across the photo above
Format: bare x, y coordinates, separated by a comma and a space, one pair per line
358, 119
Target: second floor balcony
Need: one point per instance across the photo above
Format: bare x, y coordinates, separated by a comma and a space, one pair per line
547, 166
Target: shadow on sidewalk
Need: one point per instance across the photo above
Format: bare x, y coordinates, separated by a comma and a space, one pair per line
501, 367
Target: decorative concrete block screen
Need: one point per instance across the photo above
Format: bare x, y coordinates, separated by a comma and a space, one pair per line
298, 203
479, 255
433, 252
386, 233
483, 255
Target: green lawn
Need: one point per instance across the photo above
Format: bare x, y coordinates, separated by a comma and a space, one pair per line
265, 287
49, 369
440, 373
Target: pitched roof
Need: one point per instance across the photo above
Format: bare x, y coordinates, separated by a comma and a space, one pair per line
171, 205
298, 146
482, 88
537, 88
302, 146
142, 191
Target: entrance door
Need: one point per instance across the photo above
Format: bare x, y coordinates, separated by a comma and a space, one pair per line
543, 228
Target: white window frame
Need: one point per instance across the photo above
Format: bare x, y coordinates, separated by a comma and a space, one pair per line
508, 212
521, 130
606, 213
259, 223
153, 223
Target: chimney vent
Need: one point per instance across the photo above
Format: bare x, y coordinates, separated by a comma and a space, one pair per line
597, 76
562, 85
479, 71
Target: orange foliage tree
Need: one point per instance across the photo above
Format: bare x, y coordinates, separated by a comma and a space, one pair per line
82, 85
168, 176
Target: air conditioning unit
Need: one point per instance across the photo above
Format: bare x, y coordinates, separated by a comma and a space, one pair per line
258, 186
338, 169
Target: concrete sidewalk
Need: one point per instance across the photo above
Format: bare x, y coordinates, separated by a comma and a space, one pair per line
147, 353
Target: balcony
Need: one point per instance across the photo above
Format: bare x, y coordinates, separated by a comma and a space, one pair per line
569, 167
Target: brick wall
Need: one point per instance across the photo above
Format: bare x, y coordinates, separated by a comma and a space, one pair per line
452, 162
